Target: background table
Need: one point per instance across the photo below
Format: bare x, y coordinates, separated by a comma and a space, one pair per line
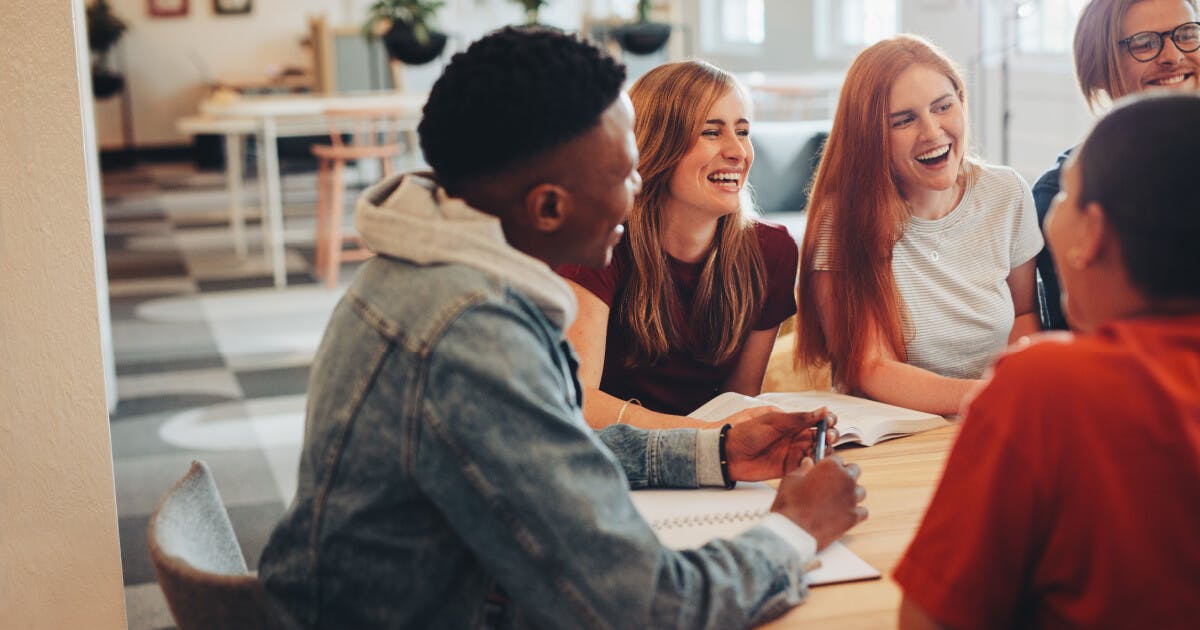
900, 477
265, 114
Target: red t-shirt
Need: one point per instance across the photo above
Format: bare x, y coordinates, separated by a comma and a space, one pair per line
679, 383
1072, 495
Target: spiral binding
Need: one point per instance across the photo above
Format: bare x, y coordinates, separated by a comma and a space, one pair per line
701, 520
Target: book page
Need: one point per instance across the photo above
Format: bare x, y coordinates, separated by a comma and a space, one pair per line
686, 519
725, 405
859, 420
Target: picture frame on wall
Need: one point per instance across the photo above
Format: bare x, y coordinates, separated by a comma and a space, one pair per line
167, 8
231, 7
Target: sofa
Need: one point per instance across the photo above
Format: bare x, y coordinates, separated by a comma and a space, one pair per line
786, 154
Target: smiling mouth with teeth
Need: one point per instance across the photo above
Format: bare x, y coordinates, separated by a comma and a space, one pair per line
936, 156
1174, 79
725, 178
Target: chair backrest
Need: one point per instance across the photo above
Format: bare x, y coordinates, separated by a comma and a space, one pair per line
365, 127
198, 561
366, 134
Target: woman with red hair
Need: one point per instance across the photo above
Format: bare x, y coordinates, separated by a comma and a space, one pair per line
917, 267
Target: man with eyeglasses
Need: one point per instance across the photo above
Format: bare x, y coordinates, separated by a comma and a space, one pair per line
1121, 47
1147, 45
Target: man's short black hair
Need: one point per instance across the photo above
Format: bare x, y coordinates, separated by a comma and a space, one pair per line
1139, 164
513, 94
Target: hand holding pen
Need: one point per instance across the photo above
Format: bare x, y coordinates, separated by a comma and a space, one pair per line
774, 442
824, 499
822, 436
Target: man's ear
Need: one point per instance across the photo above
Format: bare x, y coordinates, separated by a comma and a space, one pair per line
547, 207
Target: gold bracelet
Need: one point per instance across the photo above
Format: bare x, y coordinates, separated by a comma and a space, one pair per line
621, 413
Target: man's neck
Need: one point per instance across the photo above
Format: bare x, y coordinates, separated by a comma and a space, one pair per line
497, 199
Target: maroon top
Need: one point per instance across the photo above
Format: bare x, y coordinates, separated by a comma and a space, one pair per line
678, 383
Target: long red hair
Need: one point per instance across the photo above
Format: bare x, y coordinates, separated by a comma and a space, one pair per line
856, 198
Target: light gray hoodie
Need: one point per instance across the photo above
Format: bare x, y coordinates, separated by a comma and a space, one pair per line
410, 217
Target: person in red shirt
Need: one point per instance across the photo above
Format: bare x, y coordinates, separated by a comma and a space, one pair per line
692, 300
1071, 497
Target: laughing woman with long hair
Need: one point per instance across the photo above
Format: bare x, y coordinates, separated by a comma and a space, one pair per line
691, 302
917, 266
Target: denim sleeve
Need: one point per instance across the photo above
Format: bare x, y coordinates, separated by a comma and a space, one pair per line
1049, 298
522, 480
672, 458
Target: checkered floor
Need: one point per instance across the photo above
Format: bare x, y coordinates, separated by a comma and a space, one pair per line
212, 362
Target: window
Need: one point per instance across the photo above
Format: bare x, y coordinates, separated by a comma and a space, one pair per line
1045, 26
844, 27
732, 26
742, 22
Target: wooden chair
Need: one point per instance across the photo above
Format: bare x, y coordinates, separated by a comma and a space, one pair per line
199, 563
373, 134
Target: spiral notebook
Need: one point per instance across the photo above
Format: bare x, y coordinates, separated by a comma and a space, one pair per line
684, 519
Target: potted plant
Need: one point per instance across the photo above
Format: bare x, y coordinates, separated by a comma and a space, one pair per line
104, 30
642, 37
405, 27
531, 9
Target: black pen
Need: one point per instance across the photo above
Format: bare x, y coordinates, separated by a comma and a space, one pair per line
822, 430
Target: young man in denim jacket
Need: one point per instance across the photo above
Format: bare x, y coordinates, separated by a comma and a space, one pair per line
448, 478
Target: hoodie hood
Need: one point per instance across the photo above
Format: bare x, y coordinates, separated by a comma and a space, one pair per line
410, 217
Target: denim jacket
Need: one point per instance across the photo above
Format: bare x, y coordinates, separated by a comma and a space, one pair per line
447, 477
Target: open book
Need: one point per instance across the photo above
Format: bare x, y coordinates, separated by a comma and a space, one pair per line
859, 420
684, 519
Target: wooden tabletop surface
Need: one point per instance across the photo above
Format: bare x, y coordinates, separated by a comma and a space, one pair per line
900, 477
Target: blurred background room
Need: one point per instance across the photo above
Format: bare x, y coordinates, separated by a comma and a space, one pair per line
225, 238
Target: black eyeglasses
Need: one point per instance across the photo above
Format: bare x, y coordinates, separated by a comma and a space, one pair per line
1147, 45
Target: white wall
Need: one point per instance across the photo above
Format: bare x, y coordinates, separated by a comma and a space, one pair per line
169, 62
60, 564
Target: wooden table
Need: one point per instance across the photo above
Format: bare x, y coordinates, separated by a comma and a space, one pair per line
900, 477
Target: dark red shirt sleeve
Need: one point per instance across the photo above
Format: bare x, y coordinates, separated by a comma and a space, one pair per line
780, 258
601, 282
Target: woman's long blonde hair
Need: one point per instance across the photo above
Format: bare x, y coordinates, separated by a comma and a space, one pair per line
670, 103
856, 196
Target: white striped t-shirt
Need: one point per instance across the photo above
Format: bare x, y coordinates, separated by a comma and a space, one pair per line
951, 273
